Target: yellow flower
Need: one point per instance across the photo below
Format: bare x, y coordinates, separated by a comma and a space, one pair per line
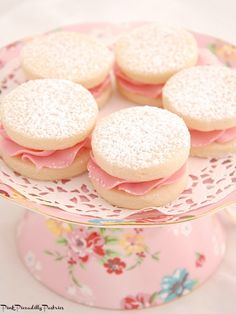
132, 243
57, 227
227, 52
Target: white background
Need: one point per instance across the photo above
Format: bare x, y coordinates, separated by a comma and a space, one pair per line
19, 18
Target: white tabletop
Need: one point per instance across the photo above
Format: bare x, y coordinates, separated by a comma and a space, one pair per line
28, 17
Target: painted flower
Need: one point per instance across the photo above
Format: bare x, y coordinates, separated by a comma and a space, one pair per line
82, 244
115, 265
227, 52
57, 227
184, 229
95, 242
132, 243
30, 259
71, 290
200, 259
71, 261
85, 290
138, 230
100, 221
33, 264
175, 286
139, 301
141, 254
77, 245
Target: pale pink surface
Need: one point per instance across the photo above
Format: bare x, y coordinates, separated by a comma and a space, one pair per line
201, 138
42, 158
197, 247
135, 188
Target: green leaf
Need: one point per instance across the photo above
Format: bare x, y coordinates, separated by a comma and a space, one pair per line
102, 260
154, 297
132, 266
73, 277
102, 231
110, 240
195, 282
72, 226
212, 47
49, 252
82, 265
111, 253
62, 241
156, 256
116, 229
59, 258
138, 262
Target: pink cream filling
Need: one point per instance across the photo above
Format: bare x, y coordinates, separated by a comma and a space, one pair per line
42, 158
147, 90
155, 90
201, 138
135, 188
97, 90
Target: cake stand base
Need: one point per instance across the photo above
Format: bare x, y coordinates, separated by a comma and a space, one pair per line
120, 268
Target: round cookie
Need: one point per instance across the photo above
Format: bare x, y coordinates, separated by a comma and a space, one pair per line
156, 197
205, 97
152, 53
68, 55
137, 145
46, 126
214, 149
48, 114
27, 169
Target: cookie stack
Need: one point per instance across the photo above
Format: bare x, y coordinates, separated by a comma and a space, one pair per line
135, 157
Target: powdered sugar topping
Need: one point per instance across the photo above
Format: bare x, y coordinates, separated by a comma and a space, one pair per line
155, 49
203, 92
140, 137
49, 109
67, 55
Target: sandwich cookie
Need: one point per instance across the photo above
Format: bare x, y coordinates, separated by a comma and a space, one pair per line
45, 129
205, 97
72, 56
139, 157
148, 56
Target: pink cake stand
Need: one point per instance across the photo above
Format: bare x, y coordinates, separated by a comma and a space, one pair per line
93, 253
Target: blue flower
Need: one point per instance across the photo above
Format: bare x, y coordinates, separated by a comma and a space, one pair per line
175, 286
101, 221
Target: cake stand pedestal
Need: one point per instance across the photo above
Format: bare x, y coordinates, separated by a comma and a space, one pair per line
120, 268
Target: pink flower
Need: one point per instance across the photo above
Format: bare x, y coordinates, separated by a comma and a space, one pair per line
141, 254
115, 265
82, 244
95, 242
139, 301
138, 230
200, 260
71, 261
